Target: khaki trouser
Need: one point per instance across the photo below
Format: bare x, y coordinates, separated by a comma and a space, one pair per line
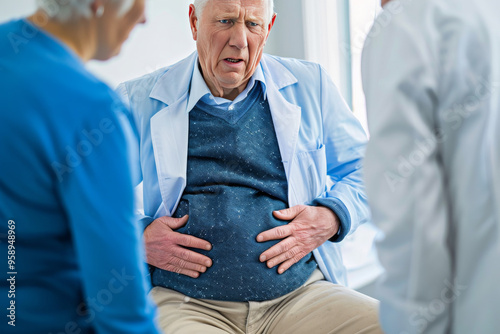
318, 307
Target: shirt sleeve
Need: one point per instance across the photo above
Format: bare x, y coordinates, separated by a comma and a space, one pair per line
340, 211
97, 195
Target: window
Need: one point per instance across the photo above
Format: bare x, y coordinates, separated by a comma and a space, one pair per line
334, 34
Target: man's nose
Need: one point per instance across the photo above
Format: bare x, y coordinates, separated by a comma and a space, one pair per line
239, 36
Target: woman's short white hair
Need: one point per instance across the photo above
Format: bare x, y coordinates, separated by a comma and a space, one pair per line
65, 10
200, 4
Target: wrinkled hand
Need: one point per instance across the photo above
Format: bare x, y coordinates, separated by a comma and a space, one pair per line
165, 248
310, 227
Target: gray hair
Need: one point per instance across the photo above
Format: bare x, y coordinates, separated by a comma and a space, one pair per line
65, 10
199, 5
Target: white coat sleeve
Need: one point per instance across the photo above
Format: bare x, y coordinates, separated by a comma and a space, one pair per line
404, 178
344, 140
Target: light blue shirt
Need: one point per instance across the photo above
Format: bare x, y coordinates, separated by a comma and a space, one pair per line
200, 91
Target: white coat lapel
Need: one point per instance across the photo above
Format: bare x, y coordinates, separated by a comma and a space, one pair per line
286, 116
286, 119
170, 131
169, 134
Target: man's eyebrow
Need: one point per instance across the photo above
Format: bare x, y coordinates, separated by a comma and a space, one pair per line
255, 19
226, 15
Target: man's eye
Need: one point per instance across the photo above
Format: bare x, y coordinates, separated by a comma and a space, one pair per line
252, 24
224, 21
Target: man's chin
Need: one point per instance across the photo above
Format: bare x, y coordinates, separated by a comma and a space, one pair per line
233, 81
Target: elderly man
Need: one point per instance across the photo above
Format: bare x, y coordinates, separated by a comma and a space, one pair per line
251, 175
432, 80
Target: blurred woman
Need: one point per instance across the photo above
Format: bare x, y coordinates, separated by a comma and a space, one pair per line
71, 253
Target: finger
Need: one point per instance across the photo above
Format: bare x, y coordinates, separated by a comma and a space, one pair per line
190, 241
279, 232
290, 213
178, 257
182, 271
188, 265
192, 257
292, 254
280, 248
175, 223
287, 264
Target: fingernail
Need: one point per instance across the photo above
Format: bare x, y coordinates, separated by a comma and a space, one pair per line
280, 271
208, 247
260, 238
208, 263
262, 258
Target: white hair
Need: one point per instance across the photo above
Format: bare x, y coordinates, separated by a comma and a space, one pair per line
200, 4
65, 10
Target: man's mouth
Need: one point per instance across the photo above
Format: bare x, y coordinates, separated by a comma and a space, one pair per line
233, 60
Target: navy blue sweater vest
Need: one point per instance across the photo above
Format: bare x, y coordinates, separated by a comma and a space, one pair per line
235, 180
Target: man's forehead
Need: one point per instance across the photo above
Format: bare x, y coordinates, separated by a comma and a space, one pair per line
231, 6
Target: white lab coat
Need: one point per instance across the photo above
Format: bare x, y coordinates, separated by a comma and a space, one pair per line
320, 141
432, 78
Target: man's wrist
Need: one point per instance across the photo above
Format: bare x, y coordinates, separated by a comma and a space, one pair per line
340, 210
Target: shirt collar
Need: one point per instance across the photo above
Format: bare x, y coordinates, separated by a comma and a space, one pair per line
200, 91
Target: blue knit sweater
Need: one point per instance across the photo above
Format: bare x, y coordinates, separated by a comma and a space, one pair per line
235, 180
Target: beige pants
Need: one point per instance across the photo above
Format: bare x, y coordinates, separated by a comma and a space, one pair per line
318, 307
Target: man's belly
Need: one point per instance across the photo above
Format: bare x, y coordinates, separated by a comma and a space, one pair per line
231, 220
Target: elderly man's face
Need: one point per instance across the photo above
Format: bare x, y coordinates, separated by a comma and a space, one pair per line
230, 37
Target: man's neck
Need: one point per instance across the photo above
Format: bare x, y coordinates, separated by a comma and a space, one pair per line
228, 94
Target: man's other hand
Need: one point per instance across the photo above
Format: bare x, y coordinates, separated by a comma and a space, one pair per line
309, 228
166, 249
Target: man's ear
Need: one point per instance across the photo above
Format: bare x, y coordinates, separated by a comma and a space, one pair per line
271, 24
193, 21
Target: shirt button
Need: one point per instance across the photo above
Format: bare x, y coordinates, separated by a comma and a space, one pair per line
231, 107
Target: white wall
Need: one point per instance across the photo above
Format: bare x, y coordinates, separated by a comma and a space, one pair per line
287, 37
10, 9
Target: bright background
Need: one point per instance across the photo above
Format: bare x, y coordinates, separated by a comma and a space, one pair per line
330, 32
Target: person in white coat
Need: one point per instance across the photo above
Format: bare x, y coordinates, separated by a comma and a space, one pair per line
431, 75
251, 170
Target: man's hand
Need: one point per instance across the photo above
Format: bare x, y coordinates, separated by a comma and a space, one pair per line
310, 227
165, 249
